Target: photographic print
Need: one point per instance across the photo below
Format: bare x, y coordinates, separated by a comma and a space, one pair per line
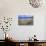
25, 20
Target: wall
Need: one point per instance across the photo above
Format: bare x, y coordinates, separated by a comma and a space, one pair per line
45, 28
13, 8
